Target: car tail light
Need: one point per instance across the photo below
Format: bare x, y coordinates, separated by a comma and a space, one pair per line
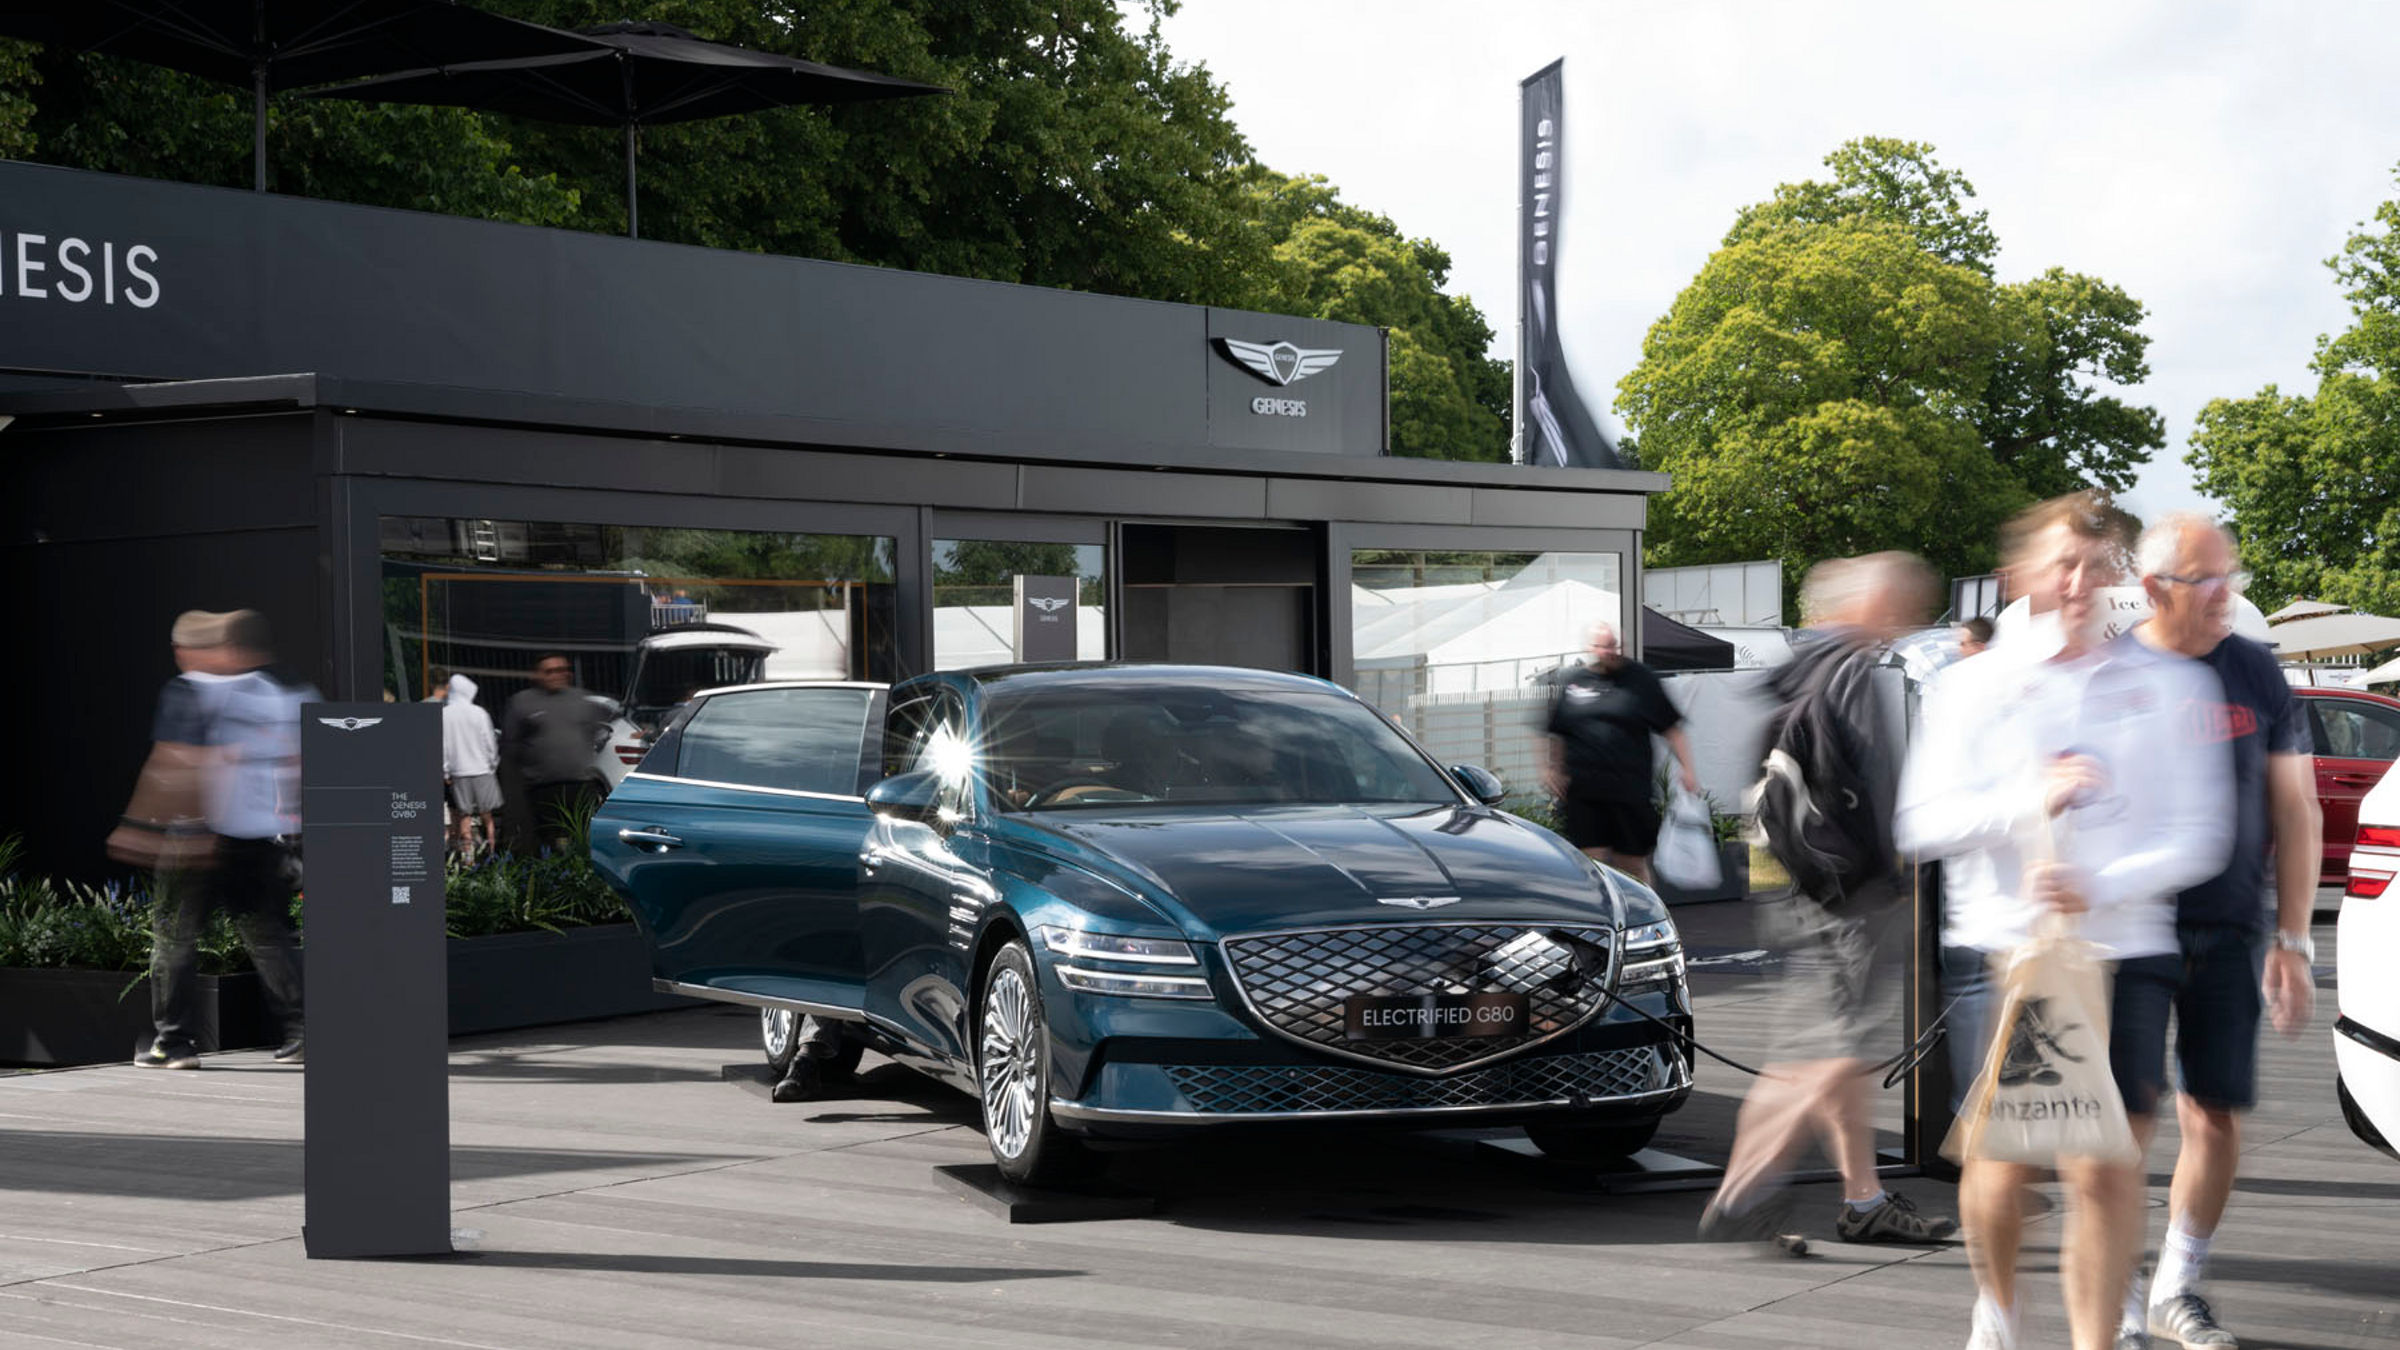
2366, 885
631, 754
2379, 836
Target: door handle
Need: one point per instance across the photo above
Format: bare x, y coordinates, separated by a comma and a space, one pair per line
650, 838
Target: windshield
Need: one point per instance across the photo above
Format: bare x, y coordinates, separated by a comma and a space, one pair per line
1067, 747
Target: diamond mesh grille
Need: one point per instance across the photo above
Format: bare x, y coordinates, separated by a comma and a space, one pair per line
1297, 983
1248, 1089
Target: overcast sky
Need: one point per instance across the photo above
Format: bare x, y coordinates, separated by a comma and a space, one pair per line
2206, 157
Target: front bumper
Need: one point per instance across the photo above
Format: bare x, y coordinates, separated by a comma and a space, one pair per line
1630, 1082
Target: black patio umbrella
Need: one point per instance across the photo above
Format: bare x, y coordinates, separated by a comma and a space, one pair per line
282, 44
643, 74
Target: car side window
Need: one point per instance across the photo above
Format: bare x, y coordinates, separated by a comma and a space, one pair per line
803, 740
2349, 729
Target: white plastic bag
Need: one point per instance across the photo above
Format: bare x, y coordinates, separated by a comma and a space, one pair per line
1686, 857
2045, 1091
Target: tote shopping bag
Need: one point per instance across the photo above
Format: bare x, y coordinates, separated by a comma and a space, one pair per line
1687, 848
2045, 1092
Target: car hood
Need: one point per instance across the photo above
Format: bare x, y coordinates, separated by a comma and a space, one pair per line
1223, 873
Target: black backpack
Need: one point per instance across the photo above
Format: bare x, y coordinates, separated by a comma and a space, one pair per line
1816, 806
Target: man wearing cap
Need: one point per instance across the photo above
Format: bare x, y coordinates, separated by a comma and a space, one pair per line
241, 725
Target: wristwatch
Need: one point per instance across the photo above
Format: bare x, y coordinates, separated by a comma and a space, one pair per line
2305, 944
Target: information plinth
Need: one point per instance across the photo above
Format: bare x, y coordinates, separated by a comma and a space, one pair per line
378, 1114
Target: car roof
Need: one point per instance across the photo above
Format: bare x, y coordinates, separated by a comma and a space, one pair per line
789, 684
2331, 691
1131, 674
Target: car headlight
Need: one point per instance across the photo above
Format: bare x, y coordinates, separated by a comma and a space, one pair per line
1653, 957
1131, 967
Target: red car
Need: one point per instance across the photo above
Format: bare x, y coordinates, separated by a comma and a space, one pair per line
2357, 736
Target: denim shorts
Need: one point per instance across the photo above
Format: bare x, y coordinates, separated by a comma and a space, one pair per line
2212, 989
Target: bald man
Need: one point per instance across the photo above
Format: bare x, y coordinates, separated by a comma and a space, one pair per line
1600, 726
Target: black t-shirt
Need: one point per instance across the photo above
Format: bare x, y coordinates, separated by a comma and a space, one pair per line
2261, 718
1605, 720
181, 718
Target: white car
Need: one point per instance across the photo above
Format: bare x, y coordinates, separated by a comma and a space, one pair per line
2366, 1034
669, 667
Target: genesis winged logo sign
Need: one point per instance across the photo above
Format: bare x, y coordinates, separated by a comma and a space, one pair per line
350, 723
1279, 363
1418, 901
1048, 604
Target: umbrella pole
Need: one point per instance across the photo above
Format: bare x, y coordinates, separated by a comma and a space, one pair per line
633, 208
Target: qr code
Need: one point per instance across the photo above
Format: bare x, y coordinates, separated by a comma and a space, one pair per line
399, 895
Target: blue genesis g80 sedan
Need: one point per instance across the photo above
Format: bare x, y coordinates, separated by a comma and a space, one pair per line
1132, 900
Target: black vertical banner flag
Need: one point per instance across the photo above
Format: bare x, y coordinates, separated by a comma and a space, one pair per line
1553, 427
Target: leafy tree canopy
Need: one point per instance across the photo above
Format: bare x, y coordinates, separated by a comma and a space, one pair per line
2313, 481
1846, 375
1072, 151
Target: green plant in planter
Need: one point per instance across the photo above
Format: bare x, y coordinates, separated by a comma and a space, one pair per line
502, 893
50, 924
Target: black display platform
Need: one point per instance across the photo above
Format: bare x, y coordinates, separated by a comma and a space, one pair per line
1649, 1170
983, 1184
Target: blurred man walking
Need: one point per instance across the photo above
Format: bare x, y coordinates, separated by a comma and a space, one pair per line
1601, 722
2187, 567
241, 724
1836, 926
2055, 774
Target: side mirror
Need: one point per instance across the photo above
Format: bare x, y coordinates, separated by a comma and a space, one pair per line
909, 796
1481, 783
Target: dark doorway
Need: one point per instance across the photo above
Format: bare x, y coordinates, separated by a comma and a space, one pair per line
1221, 596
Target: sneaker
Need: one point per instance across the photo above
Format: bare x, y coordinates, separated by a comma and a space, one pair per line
2132, 1338
1767, 1221
293, 1051
1990, 1330
2186, 1320
1895, 1220
159, 1057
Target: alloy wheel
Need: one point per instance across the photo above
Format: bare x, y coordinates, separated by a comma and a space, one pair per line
1010, 1066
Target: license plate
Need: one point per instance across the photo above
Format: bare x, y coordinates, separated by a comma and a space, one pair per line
1427, 1017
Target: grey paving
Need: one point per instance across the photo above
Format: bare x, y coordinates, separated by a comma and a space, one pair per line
624, 1195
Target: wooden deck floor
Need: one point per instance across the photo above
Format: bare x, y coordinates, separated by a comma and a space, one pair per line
626, 1196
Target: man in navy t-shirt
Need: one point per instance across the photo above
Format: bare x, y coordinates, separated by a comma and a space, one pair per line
2187, 565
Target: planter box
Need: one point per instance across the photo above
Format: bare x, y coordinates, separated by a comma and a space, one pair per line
516, 980
60, 1017
1733, 879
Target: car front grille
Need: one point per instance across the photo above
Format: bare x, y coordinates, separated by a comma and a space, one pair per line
1297, 983
1264, 1089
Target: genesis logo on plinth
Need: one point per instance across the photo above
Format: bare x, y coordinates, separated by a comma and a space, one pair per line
1278, 363
1048, 604
350, 723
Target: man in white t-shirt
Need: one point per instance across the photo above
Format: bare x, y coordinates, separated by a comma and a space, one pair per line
2058, 774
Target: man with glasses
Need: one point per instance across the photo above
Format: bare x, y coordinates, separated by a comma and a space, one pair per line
550, 737
2187, 567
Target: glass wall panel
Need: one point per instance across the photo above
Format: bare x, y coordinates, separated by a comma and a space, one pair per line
645, 615
1459, 647
974, 598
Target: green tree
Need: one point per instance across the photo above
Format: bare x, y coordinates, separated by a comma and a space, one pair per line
2312, 482
1327, 259
1845, 374
17, 79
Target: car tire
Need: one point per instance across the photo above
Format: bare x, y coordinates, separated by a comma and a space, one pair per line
1591, 1143
1012, 1075
779, 1037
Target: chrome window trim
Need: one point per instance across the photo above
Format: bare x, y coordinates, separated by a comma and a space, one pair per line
745, 787
1616, 961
